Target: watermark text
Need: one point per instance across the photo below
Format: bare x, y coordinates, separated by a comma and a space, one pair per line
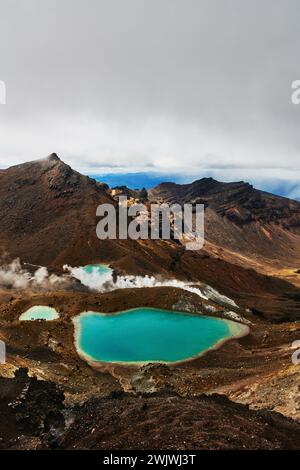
153, 221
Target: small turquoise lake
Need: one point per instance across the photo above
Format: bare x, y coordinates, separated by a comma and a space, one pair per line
93, 275
100, 269
40, 312
144, 335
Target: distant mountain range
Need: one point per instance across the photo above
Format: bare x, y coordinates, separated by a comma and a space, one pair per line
241, 218
280, 187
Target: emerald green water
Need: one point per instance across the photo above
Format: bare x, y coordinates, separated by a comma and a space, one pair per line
93, 275
40, 312
102, 269
149, 335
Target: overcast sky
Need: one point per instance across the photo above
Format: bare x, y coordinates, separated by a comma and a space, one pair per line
152, 85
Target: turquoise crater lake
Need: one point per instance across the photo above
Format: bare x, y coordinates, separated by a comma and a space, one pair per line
93, 275
144, 335
40, 312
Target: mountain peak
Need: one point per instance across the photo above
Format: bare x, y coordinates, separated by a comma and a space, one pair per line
53, 157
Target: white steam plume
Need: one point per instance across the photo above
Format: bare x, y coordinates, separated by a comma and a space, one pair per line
14, 276
104, 282
93, 280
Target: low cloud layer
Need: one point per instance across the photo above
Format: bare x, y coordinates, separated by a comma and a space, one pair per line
136, 85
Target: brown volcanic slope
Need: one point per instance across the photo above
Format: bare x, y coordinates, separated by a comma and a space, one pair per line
123, 421
168, 421
48, 217
44, 206
251, 227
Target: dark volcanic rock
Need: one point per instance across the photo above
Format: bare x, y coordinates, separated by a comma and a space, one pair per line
32, 416
29, 408
168, 421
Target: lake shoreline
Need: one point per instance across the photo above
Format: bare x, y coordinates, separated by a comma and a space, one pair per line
237, 331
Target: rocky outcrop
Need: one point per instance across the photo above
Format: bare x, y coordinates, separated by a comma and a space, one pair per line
242, 224
31, 411
239, 201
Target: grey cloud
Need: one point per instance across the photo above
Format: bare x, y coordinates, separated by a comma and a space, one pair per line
181, 84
